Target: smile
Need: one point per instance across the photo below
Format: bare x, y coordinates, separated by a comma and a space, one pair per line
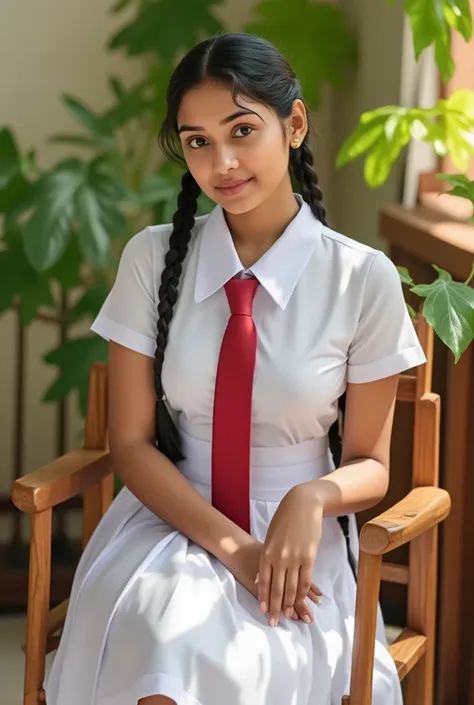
234, 188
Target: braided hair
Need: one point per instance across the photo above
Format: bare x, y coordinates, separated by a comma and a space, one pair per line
301, 166
254, 68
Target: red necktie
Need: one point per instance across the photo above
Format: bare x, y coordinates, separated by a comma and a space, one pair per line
232, 417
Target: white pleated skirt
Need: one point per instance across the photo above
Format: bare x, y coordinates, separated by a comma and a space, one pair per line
153, 613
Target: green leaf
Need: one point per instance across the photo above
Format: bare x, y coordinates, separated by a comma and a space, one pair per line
117, 87
90, 302
405, 276
108, 192
47, 231
462, 186
156, 188
35, 293
9, 157
93, 236
131, 104
120, 5
431, 22
384, 132
167, 28
91, 121
67, 271
12, 194
74, 359
314, 37
449, 309
361, 140
18, 280
74, 192
411, 311
74, 140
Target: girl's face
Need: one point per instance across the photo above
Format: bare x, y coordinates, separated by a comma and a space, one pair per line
238, 155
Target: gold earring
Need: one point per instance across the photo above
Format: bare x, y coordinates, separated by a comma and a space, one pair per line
295, 144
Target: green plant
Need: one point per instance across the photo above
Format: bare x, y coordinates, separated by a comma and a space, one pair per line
448, 127
65, 228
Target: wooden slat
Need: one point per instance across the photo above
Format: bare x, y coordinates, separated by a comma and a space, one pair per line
406, 388
56, 617
394, 573
368, 584
97, 497
96, 419
38, 602
407, 650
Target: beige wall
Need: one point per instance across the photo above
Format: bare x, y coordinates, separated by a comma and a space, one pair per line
51, 47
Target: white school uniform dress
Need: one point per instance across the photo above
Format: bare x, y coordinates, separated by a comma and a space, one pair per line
150, 611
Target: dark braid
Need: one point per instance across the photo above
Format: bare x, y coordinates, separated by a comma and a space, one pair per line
301, 163
301, 166
167, 435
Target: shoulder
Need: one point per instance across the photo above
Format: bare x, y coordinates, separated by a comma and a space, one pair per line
370, 262
147, 248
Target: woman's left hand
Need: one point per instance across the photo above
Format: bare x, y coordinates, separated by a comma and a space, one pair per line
289, 552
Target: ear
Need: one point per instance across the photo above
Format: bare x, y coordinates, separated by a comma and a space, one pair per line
298, 122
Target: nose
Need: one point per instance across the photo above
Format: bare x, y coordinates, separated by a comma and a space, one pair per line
224, 160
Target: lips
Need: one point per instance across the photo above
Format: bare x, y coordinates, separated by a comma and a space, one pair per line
232, 188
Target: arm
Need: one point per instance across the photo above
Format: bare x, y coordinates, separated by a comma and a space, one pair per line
148, 474
362, 479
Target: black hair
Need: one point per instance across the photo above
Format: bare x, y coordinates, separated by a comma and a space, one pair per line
253, 68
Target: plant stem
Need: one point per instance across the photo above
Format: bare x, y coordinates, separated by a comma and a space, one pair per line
471, 276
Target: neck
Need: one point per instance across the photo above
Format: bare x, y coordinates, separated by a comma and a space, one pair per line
257, 230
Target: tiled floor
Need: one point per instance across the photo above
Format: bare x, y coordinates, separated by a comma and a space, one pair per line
12, 630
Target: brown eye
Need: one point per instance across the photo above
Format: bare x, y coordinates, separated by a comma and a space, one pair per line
244, 127
197, 142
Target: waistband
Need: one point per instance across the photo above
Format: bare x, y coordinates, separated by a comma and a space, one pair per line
273, 471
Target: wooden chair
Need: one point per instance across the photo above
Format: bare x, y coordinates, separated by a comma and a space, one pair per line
414, 519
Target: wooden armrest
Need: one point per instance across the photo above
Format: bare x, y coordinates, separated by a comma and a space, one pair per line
420, 510
58, 481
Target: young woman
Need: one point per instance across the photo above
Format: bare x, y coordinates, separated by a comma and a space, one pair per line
220, 574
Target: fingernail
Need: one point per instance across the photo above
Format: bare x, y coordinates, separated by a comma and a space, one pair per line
288, 612
307, 619
263, 607
256, 579
273, 621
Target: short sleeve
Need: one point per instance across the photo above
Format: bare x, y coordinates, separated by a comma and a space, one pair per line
129, 314
385, 342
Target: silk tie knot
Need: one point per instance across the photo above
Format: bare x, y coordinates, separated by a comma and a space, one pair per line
240, 295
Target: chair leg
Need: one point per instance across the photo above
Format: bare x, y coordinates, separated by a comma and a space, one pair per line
368, 586
38, 605
422, 615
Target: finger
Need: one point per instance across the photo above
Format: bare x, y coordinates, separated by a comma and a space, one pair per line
291, 586
315, 589
304, 612
276, 593
264, 582
304, 583
314, 597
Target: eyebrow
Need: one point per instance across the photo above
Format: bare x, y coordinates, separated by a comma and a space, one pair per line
229, 118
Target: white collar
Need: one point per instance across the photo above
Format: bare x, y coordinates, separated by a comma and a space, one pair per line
278, 270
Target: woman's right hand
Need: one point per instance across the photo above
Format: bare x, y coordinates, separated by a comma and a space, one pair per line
244, 565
